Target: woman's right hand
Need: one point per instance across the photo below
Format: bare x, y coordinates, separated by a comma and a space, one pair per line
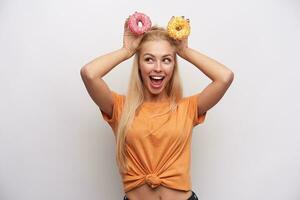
130, 41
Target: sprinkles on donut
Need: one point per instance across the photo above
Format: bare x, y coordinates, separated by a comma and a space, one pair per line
178, 28
135, 19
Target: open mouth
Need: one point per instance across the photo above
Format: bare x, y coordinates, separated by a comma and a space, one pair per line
156, 81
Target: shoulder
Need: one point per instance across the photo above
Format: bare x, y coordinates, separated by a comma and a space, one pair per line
118, 97
188, 99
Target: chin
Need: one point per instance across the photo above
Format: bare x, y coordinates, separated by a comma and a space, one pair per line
155, 92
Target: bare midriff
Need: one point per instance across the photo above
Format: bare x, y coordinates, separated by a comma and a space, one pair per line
145, 192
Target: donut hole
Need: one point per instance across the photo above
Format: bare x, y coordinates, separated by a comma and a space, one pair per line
140, 24
178, 28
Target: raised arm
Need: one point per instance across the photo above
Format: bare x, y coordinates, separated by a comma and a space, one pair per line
220, 75
92, 72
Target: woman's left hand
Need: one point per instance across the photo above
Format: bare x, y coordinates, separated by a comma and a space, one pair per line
181, 46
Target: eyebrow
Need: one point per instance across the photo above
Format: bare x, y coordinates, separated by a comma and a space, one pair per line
154, 56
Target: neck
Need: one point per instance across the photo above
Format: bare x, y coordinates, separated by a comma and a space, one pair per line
156, 98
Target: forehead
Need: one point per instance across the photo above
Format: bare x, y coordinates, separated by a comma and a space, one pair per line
157, 48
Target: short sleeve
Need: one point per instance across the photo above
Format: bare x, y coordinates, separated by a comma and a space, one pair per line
117, 110
193, 111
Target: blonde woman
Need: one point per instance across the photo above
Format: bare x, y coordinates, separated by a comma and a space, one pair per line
153, 123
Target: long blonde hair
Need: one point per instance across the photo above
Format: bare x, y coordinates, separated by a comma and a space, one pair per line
135, 94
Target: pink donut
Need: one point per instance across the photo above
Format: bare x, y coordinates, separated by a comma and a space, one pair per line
133, 23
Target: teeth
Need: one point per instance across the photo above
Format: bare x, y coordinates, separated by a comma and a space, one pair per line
157, 77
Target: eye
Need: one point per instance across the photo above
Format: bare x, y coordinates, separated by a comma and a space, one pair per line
148, 59
167, 59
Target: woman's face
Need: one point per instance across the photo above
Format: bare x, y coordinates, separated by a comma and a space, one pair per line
156, 64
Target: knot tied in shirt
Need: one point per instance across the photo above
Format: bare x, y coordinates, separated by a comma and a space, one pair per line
153, 180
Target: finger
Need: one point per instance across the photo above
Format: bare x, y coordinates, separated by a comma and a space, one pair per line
126, 26
126, 21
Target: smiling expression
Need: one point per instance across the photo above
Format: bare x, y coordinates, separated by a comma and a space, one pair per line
156, 65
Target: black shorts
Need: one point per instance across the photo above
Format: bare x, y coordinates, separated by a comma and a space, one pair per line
192, 197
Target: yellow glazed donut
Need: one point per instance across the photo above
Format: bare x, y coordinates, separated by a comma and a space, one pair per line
178, 28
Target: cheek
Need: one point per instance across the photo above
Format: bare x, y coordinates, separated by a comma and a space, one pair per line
169, 69
145, 69
170, 73
143, 74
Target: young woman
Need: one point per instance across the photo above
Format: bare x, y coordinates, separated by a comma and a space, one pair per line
153, 123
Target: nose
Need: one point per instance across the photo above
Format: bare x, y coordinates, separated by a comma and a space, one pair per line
157, 66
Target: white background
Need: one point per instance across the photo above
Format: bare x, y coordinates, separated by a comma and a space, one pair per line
54, 143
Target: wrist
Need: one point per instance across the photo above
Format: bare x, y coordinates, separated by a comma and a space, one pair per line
183, 52
127, 52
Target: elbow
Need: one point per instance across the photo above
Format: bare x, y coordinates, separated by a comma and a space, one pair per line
228, 77
231, 76
84, 73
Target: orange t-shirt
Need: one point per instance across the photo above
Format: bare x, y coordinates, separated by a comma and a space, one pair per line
158, 148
